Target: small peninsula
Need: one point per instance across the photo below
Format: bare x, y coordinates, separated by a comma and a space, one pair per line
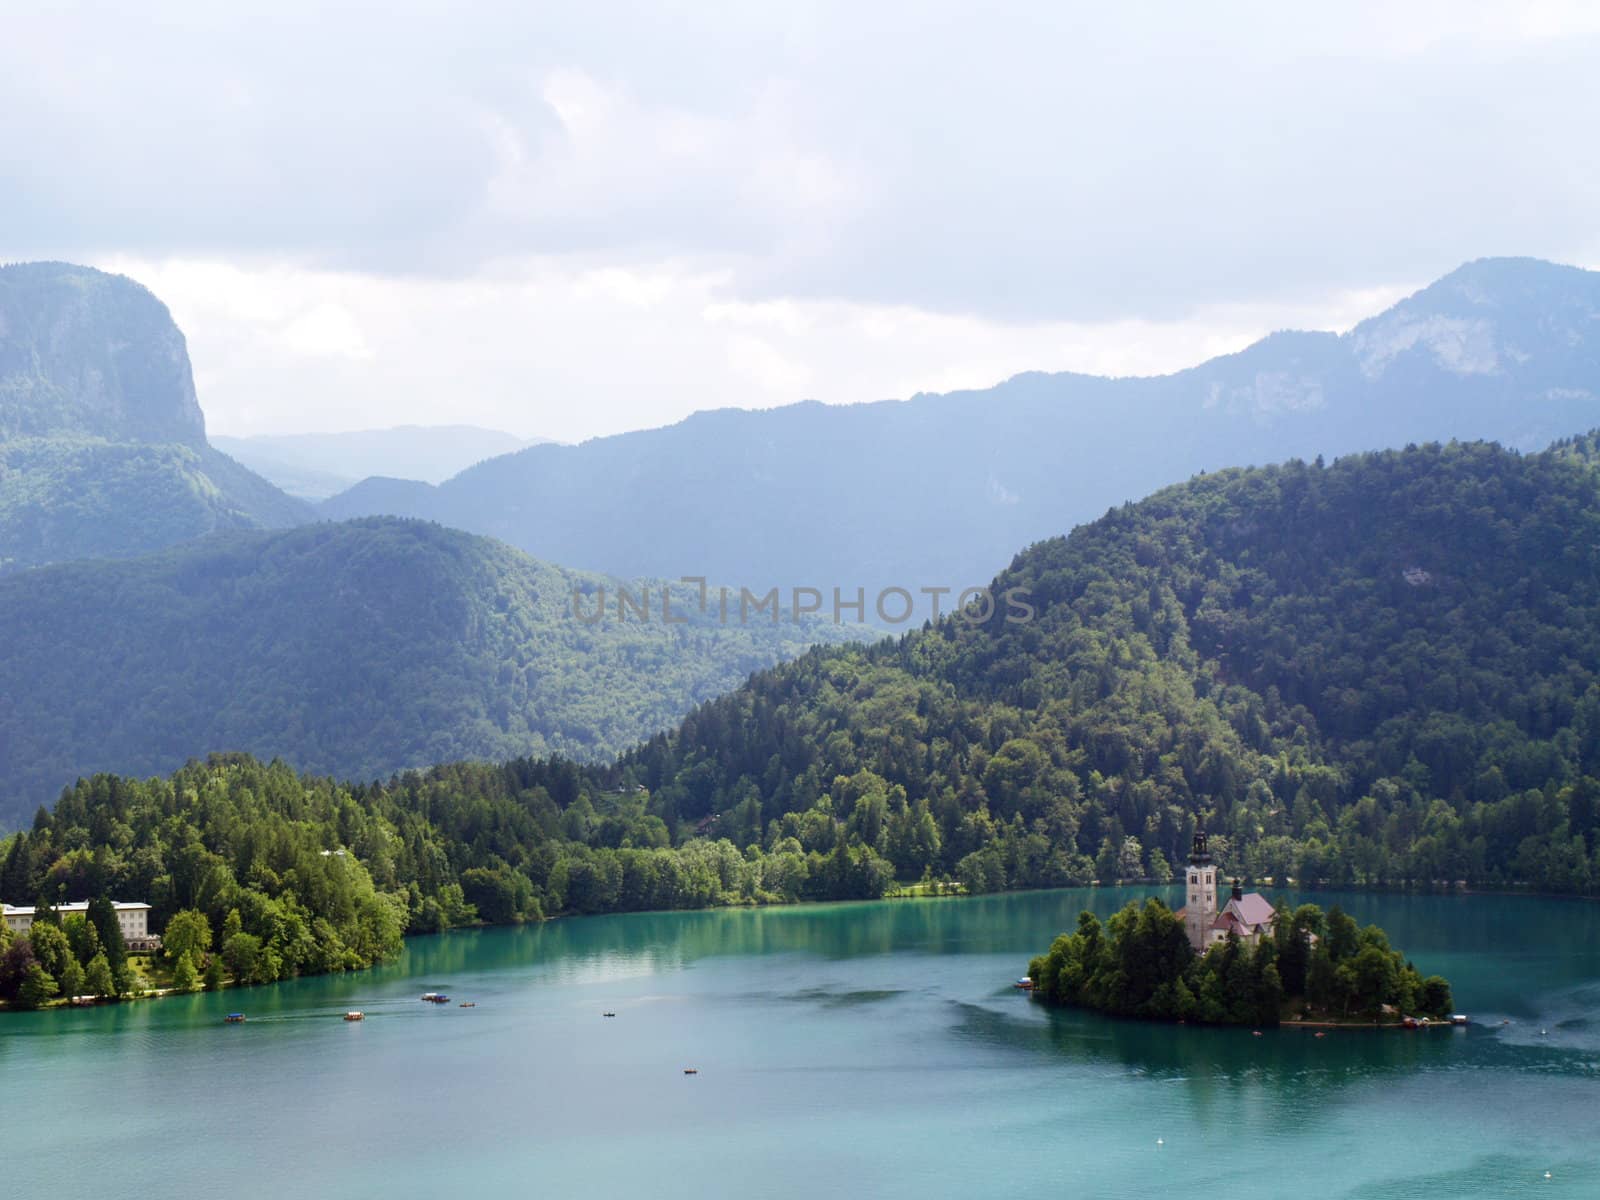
1242, 964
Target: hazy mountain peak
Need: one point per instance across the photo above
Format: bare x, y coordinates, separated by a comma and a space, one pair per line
85, 353
1487, 317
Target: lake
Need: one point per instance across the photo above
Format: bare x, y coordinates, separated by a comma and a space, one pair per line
871, 1049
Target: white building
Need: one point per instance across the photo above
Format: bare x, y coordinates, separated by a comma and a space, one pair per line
133, 917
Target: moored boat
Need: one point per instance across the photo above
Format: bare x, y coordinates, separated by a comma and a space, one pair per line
355, 1015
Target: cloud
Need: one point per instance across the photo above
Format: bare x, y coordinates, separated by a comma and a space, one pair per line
560, 347
1023, 162
571, 220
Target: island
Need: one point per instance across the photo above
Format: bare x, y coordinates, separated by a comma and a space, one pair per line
1241, 964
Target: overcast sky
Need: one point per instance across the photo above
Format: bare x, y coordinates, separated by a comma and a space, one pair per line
576, 219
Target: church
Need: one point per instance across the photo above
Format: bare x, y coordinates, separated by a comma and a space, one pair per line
1247, 914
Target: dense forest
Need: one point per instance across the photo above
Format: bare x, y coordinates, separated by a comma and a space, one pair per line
1379, 671
1315, 965
68, 498
356, 649
316, 876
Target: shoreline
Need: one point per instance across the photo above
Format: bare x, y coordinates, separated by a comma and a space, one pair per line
899, 895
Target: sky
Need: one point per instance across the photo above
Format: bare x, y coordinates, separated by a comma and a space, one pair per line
574, 220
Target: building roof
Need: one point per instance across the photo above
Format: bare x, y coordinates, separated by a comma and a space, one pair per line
76, 906
1253, 908
1249, 912
1227, 919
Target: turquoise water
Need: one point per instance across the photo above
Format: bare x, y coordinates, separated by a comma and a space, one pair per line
843, 1050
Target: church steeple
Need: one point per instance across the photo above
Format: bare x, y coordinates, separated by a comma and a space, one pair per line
1201, 881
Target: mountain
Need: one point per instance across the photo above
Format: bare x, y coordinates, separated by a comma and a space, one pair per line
69, 498
91, 354
318, 465
103, 450
939, 490
1384, 670
357, 649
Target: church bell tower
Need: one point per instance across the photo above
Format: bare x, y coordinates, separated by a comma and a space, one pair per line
1201, 909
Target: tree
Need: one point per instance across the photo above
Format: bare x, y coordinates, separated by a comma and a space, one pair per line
14, 964
97, 977
213, 973
1106, 863
188, 933
1343, 934
103, 916
50, 947
1435, 999
241, 953
71, 979
184, 978
82, 937
37, 987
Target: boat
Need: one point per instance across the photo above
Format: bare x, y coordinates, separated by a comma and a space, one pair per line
355, 1015
1319, 1033
690, 1071
436, 997
234, 1019
608, 1014
1458, 1018
1024, 984
469, 1004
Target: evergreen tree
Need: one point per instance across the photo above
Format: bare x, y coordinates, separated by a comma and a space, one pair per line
103, 916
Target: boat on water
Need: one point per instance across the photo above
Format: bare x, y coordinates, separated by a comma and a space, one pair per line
469, 1004
234, 1019
1024, 984
436, 997
690, 1071
1458, 1018
355, 1015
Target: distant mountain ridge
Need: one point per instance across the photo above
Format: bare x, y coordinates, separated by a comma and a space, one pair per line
103, 451
318, 465
940, 490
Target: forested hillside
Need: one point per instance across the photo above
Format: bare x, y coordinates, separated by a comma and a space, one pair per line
1379, 671
1376, 671
355, 649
